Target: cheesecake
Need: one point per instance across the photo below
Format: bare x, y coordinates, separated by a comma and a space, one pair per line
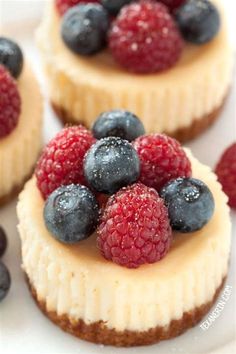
181, 101
95, 292
20, 148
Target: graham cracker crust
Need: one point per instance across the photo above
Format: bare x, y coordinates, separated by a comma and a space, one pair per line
182, 134
99, 333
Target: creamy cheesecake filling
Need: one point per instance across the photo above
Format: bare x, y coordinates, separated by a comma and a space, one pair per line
79, 282
87, 86
20, 149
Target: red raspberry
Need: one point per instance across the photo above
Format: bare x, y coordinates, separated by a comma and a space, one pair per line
172, 4
226, 172
61, 162
134, 228
162, 159
144, 38
10, 103
64, 5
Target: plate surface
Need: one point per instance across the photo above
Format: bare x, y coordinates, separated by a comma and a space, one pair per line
23, 329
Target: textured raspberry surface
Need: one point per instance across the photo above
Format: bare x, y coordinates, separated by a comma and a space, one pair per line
162, 159
144, 38
64, 5
172, 4
226, 172
61, 162
135, 228
10, 103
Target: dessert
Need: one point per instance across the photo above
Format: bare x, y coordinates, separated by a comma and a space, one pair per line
175, 74
148, 265
20, 119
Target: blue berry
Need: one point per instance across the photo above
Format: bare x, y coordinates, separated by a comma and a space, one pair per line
111, 163
198, 20
114, 6
84, 28
71, 213
3, 241
5, 281
118, 123
11, 56
190, 203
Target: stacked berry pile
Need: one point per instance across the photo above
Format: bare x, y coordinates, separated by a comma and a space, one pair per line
143, 36
144, 183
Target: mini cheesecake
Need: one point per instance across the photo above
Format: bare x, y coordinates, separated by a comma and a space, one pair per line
100, 301
181, 101
19, 149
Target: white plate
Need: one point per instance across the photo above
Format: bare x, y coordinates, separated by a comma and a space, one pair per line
23, 329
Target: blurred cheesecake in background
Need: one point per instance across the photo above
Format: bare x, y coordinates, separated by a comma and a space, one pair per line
172, 74
20, 119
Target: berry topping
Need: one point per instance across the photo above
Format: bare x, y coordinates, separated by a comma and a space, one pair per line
135, 227
63, 5
172, 4
11, 56
71, 213
162, 159
10, 103
198, 20
5, 281
3, 241
61, 162
190, 204
114, 6
119, 123
84, 28
226, 172
110, 164
144, 38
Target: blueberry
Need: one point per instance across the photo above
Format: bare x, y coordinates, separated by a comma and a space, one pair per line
84, 28
118, 123
190, 204
111, 163
114, 6
5, 281
198, 20
11, 56
3, 241
71, 213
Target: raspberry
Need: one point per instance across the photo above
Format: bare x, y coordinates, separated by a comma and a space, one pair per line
10, 103
63, 5
61, 162
162, 159
134, 227
144, 38
172, 4
226, 172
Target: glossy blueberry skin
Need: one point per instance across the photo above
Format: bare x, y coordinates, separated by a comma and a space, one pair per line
5, 281
190, 204
71, 213
114, 6
110, 164
198, 20
119, 123
3, 241
11, 56
84, 28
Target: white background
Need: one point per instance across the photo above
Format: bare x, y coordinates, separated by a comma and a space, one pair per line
23, 329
